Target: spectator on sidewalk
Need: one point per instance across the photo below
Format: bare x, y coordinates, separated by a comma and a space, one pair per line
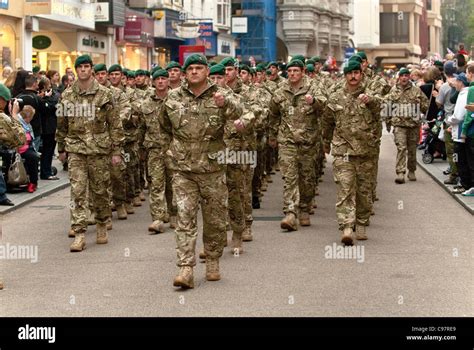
455, 125
467, 134
27, 151
444, 101
49, 99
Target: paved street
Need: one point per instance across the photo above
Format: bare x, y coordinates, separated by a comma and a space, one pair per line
418, 261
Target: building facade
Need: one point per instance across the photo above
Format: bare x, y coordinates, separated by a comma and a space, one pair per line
313, 27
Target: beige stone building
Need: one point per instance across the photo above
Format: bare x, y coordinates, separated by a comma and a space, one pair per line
313, 27
409, 31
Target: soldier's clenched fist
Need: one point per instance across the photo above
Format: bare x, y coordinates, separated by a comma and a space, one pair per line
219, 99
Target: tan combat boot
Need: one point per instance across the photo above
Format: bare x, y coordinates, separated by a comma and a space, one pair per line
411, 176
173, 221
113, 207
129, 208
121, 212
108, 223
347, 236
361, 235
316, 191
289, 222
247, 235
185, 278
202, 255
212, 269
166, 219
142, 196
101, 234
237, 243
79, 243
1, 285
304, 219
400, 178
71, 233
137, 202
156, 227
269, 179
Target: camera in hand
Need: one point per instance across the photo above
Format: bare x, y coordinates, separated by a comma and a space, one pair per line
20, 101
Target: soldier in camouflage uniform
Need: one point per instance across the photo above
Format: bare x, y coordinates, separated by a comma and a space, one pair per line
156, 142
175, 73
90, 130
239, 176
194, 116
352, 118
117, 174
403, 106
294, 120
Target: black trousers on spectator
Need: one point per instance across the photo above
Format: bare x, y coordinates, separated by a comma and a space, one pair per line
463, 167
470, 158
31, 164
49, 144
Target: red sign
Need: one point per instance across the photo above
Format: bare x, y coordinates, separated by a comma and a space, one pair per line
187, 50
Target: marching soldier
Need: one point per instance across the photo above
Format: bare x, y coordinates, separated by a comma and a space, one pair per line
90, 131
193, 117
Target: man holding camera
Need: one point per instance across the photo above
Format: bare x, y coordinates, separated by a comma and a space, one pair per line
11, 134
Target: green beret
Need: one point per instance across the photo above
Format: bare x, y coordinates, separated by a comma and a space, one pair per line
295, 63
268, 72
355, 58
259, 69
310, 61
273, 63
212, 63
140, 72
253, 71
439, 64
244, 67
403, 71
160, 73
5, 93
195, 58
217, 69
352, 66
100, 67
229, 61
82, 60
316, 59
362, 55
36, 69
155, 69
298, 57
130, 74
147, 73
115, 68
310, 68
173, 64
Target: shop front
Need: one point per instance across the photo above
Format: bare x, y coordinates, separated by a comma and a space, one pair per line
166, 41
135, 41
225, 45
58, 51
207, 38
11, 36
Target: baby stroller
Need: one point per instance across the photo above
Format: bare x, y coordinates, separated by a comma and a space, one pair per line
433, 145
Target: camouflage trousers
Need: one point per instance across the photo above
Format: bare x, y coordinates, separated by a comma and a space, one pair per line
298, 171
236, 188
209, 190
248, 176
157, 173
449, 143
406, 140
89, 176
118, 187
132, 174
142, 170
260, 168
354, 190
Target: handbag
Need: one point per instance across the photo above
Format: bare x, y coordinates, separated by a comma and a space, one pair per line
16, 173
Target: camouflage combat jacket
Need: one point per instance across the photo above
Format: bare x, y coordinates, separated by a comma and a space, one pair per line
291, 119
196, 127
11, 132
88, 121
403, 106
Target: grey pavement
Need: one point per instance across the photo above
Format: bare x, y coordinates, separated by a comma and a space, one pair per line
45, 188
435, 170
418, 261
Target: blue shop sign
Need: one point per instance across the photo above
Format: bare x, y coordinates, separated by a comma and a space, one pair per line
207, 38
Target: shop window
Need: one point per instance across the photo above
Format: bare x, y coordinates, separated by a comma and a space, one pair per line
394, 28
8, 52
